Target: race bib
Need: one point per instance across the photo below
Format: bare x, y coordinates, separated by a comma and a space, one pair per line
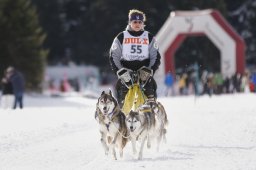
135, 48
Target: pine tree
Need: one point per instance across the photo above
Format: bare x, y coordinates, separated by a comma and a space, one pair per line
21, 41
242, 14
52, 18
251, 52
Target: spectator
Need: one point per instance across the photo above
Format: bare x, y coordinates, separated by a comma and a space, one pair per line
218, 83
195, 78
169, 81
76, 85
208, 84
182, 84
236, 80
245, 82
62, 86
227, 85
204, 82
18, 85
253, 80
7, 91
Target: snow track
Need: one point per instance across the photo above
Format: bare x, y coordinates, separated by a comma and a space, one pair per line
204, 134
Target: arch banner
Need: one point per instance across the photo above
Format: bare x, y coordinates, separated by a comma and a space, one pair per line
210, 23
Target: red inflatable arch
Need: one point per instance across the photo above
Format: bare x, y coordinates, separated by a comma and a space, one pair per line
210, 23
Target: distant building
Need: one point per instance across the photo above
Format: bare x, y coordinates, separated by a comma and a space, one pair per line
71, 78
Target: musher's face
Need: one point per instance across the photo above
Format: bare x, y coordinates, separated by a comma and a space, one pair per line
136, 25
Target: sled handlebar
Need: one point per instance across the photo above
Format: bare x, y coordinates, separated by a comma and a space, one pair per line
130, 77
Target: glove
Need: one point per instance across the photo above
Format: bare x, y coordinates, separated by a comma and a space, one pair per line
124, 75
144, 74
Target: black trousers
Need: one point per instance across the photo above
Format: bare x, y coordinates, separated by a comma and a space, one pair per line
149, 90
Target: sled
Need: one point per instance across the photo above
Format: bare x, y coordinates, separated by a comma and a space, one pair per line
134, 81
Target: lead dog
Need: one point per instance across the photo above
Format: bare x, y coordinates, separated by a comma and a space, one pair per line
140, 124
112, 125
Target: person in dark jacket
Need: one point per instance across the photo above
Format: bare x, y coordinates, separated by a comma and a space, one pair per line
7, 91
169, 83
133, 49
18, 85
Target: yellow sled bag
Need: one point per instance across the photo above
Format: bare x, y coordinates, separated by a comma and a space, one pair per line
133, 94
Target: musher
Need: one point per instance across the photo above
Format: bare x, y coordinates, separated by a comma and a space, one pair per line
133, 49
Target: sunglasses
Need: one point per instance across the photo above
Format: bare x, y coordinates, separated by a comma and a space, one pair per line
137, 22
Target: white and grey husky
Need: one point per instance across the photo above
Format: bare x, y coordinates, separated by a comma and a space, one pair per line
148, 122
141, 125
111, 124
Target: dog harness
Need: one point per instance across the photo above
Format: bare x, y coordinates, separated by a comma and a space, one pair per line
107, 125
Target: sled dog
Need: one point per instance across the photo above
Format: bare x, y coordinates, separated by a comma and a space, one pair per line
161, 120
112, 125
140, 124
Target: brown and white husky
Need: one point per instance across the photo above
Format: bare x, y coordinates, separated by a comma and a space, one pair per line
112, 125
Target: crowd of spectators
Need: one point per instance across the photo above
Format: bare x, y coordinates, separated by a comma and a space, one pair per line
209, 83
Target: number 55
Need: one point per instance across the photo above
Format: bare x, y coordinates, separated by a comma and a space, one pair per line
136, 49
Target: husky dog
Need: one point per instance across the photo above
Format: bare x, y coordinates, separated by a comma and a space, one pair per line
112, 125
140, 124
161, 120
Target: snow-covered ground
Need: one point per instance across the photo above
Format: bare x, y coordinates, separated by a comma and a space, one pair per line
217, 133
